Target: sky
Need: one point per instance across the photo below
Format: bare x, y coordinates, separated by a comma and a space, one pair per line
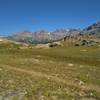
34, 15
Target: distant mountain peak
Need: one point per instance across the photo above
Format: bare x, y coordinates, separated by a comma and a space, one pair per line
93, 29
62, 30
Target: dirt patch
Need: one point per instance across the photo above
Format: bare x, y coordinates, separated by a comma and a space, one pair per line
42, 46
70, 64
84, 50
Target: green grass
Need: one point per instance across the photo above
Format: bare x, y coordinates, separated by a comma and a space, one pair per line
61, 73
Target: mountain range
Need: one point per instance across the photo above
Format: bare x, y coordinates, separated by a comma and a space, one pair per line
45, 37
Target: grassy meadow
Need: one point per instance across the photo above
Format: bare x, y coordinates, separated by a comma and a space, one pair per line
59, 73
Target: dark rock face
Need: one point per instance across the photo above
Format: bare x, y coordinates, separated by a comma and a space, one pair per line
88, 43
84, 42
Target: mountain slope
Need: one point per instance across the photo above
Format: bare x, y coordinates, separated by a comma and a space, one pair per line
92, 30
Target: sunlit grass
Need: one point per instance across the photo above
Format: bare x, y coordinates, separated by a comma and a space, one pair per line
60, 73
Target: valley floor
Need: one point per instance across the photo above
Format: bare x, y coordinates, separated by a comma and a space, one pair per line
61, 73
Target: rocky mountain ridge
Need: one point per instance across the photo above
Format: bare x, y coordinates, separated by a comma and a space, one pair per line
45, 37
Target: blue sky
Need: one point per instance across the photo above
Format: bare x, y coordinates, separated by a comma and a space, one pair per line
33, 15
